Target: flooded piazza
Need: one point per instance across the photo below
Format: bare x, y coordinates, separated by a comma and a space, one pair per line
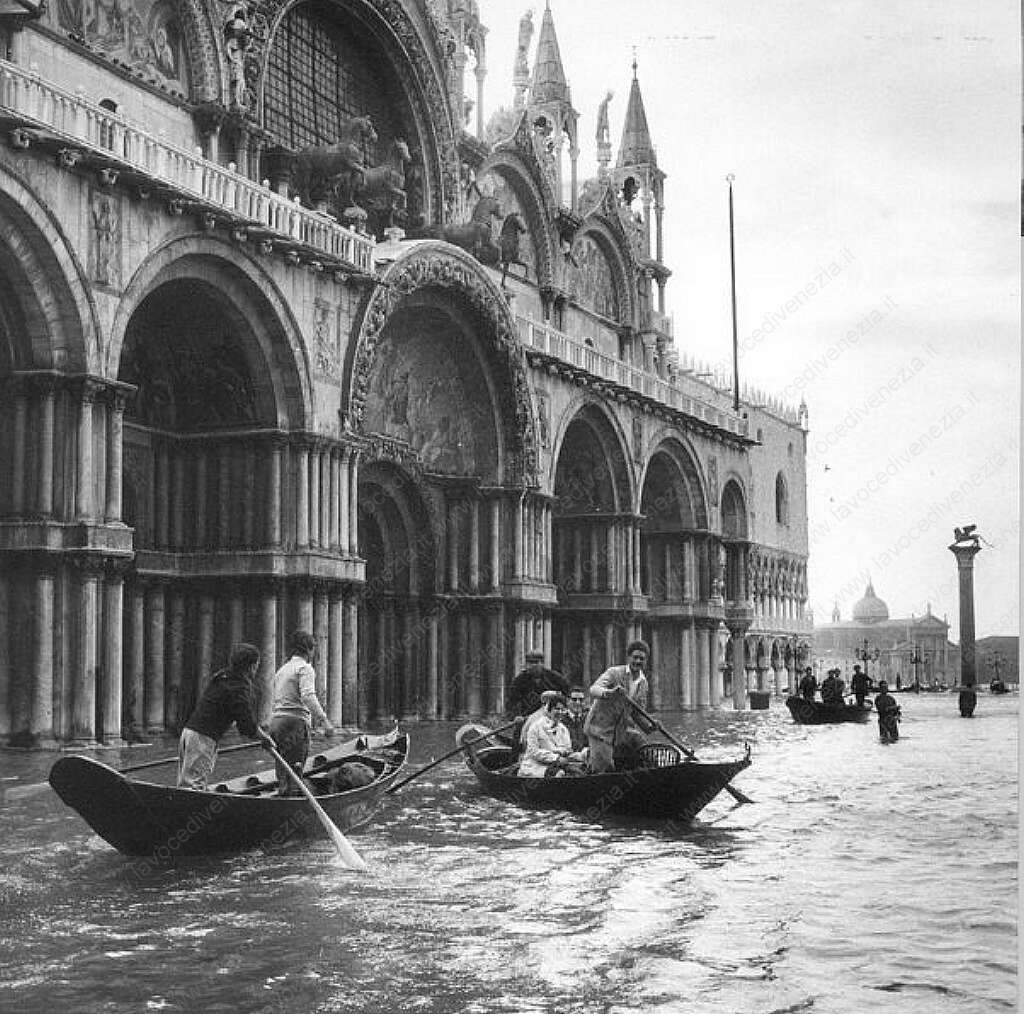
863, 877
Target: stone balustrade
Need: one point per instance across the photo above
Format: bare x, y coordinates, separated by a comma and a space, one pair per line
553, 342
72, 116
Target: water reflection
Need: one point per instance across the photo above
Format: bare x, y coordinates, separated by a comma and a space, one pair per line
863, 878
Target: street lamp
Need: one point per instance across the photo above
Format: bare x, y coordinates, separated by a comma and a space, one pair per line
866, 654
915, 661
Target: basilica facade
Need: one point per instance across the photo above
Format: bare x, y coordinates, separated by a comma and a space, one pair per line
295, 334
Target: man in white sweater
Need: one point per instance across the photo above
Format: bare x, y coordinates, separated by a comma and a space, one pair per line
296, 708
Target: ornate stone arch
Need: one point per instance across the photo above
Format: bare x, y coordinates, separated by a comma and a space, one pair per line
434, 265
734, 510
612, 441
252, 294
680, 451
513, 165
418, 63
203, 42
50, 314
607, 234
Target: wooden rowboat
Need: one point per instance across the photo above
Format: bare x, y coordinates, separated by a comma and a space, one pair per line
807, 712
665, 786
162, 821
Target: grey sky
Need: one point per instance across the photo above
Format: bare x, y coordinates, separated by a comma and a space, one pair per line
876, 142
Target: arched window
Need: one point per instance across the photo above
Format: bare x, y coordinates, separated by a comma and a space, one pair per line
322, 72
781, 500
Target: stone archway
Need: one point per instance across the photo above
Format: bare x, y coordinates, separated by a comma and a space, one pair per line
596, 546
396, 623
677, 578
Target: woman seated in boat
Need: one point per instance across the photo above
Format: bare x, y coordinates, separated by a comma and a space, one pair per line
549, 752
230, 698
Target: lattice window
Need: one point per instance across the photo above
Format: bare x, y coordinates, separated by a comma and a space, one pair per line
321, 72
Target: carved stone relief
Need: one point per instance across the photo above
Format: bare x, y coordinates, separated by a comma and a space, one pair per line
105, 239
591, 281
327, 355
713, 480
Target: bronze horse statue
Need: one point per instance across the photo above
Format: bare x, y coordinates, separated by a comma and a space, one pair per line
473, 236
335, 169
508, 243
382, 188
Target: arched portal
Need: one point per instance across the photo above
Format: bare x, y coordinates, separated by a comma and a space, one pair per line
735, 540
437, 386
595, 545
219, 491
396, 633
676, 559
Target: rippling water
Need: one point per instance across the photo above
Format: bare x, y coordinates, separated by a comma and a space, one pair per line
866, 877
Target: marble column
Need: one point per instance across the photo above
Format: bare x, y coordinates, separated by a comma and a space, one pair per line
703, 638
205, 663
301, 457
154, 690
180, 454
517, 541
274, 493
431, 702
739, 670
474, 545
577, 557
250, 501
135, 686
321, 631
19, 456
268, 650
45, 448
115, 458
224, 501
350, 658
201, 535
353, 502
113, 658
452, 547
345, 496
314, 495
687, 649
40, 717
177, 694
325, 497
333, 486
336, 657
304, 601
495, 553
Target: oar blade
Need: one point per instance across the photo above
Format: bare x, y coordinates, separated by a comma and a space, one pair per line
346, 852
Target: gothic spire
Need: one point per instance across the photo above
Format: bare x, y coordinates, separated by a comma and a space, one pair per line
636, 147
549, 84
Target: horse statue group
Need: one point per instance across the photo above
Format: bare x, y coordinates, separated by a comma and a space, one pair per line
477, 236
340, 171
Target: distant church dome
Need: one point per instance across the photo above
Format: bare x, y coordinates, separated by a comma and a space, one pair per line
870, 609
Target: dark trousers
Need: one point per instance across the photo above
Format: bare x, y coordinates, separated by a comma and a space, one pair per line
291, 737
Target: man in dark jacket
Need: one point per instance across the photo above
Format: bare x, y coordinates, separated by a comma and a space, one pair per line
576, 717
524, 696
808, 685
231, 697
860, 685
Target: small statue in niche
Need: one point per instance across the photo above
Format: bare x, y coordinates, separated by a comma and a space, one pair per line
522, 65
237, 42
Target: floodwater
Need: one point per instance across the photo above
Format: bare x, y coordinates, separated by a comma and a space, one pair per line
864, 877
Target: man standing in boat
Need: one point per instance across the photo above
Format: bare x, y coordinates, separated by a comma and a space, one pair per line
296, 708
808, 685
230, 697
611, 724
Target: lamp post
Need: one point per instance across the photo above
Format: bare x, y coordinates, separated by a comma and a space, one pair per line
867, 655
915, 661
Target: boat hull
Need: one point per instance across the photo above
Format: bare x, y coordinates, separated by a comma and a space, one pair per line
807, 712
679, 791
162, 821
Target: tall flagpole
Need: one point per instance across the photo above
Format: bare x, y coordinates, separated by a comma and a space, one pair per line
735, 341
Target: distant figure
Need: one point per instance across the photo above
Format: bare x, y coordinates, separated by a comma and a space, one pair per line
231, 697
860, 685
296, 708
808, 685
888, 714
548, 752
610, 723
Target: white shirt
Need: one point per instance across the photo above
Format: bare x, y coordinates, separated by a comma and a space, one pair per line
546, 741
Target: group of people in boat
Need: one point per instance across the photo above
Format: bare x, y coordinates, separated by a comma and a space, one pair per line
558, 734
232, 697
833, 688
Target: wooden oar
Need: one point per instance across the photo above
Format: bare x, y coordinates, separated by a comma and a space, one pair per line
451, 753
735, 793
26, 791
348, 854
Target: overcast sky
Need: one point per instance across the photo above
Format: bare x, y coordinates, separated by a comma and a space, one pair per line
875, 147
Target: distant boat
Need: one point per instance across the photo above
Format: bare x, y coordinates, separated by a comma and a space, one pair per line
997, 686
807, 712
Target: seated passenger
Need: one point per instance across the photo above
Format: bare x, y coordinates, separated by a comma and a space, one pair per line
576, 717
548, 752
